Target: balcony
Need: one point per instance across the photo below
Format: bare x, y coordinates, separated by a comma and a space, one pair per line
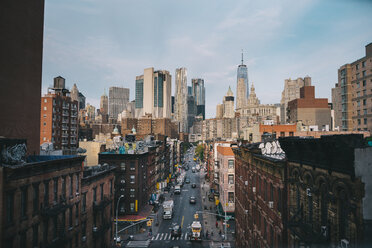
64, 120
65, 135
73, 128
64, 142
64, 127
65, 106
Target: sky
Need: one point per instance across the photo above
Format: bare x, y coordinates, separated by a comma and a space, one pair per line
98, 44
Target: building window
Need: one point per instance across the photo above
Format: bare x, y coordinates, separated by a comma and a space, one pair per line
265, 190
231, 164
365, 121
94, 194
45, 230
45, 108
364, 73
24, 203
111, 187
46, 193
132, 207
358, 94
132, 179
357, 66
358, 84
132, 165
358, 112
231, 197
364, 92
36, 198
364, 102
77, 214
83, 208
358, 103
70, 218
364, 111
282, 134
55, 223
271, 192
231, 179
9, 207
122, 166
77, 183
63, 187
55, 189
364, 83
102, 191
23, 239
290, 133
132, 192
35, 235
71, 185
83, 228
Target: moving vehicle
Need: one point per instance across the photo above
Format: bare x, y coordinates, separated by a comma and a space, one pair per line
187, 180
177, 189
176, 231
192, 199
168, 209
193, 185
196, 231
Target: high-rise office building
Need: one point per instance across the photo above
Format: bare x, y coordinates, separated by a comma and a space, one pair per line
59, 114
242, 89
153, 94
198, 90
191, 108
351, 98
104, 104
181, 99
118, 99
291, 91
21, 49
228, 104
81, 101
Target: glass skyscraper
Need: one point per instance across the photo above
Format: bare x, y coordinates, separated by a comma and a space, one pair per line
243, 73
198, 91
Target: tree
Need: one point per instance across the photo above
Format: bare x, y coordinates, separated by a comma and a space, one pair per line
199, 151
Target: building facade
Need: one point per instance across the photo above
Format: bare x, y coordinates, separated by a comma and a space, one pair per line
59, 118
198, 91
260, 207
118, 99
309, 110
180, 96
228, 104
153, 94
291, 91
351, 95
21, 49
103, 106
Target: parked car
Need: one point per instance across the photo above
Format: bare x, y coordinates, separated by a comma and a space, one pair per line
176, 231
187, 180
193, 185
192, 199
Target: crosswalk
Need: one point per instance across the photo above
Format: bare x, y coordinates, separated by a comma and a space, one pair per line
168, 236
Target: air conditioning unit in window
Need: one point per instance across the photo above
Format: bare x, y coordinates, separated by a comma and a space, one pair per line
84, 238
246, 211
271, 204
308, 192
95, 229
323, 230
254, 189
246, 183
344, 243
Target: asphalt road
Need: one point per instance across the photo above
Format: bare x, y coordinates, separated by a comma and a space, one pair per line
183, 214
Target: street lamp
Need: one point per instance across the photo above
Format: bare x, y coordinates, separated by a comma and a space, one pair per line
117, 210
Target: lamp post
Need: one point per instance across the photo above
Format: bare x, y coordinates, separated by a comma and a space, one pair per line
117, 210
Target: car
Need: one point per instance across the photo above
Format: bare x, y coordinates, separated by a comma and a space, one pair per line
193, 170
176, 231
193, 185
192, 199
187, 180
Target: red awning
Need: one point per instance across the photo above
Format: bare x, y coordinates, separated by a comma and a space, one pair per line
142, 215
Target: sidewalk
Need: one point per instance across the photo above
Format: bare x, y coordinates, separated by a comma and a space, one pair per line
209, 220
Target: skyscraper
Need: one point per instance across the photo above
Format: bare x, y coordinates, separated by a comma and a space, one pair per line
191, 108
153, 93
242, 89
291, 91
228, 104
104, 104
181, 99
198, 90
118, 99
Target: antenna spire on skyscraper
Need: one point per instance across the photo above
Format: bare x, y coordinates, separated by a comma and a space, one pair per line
242, 56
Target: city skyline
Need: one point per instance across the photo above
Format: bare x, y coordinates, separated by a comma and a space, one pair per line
101, 45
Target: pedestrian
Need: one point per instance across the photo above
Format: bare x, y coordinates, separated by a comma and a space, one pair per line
220, 232
216, 224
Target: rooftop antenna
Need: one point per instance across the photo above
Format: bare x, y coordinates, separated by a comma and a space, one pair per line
242, 56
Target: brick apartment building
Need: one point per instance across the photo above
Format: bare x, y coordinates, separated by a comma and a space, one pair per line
260, 202
328, 191
41, 199
352, 95
309, 110
58, 118
97, 205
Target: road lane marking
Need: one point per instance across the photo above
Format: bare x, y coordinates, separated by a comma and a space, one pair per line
183, 217
157, 236
185, 236
165, 237
161, 236
172, 238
